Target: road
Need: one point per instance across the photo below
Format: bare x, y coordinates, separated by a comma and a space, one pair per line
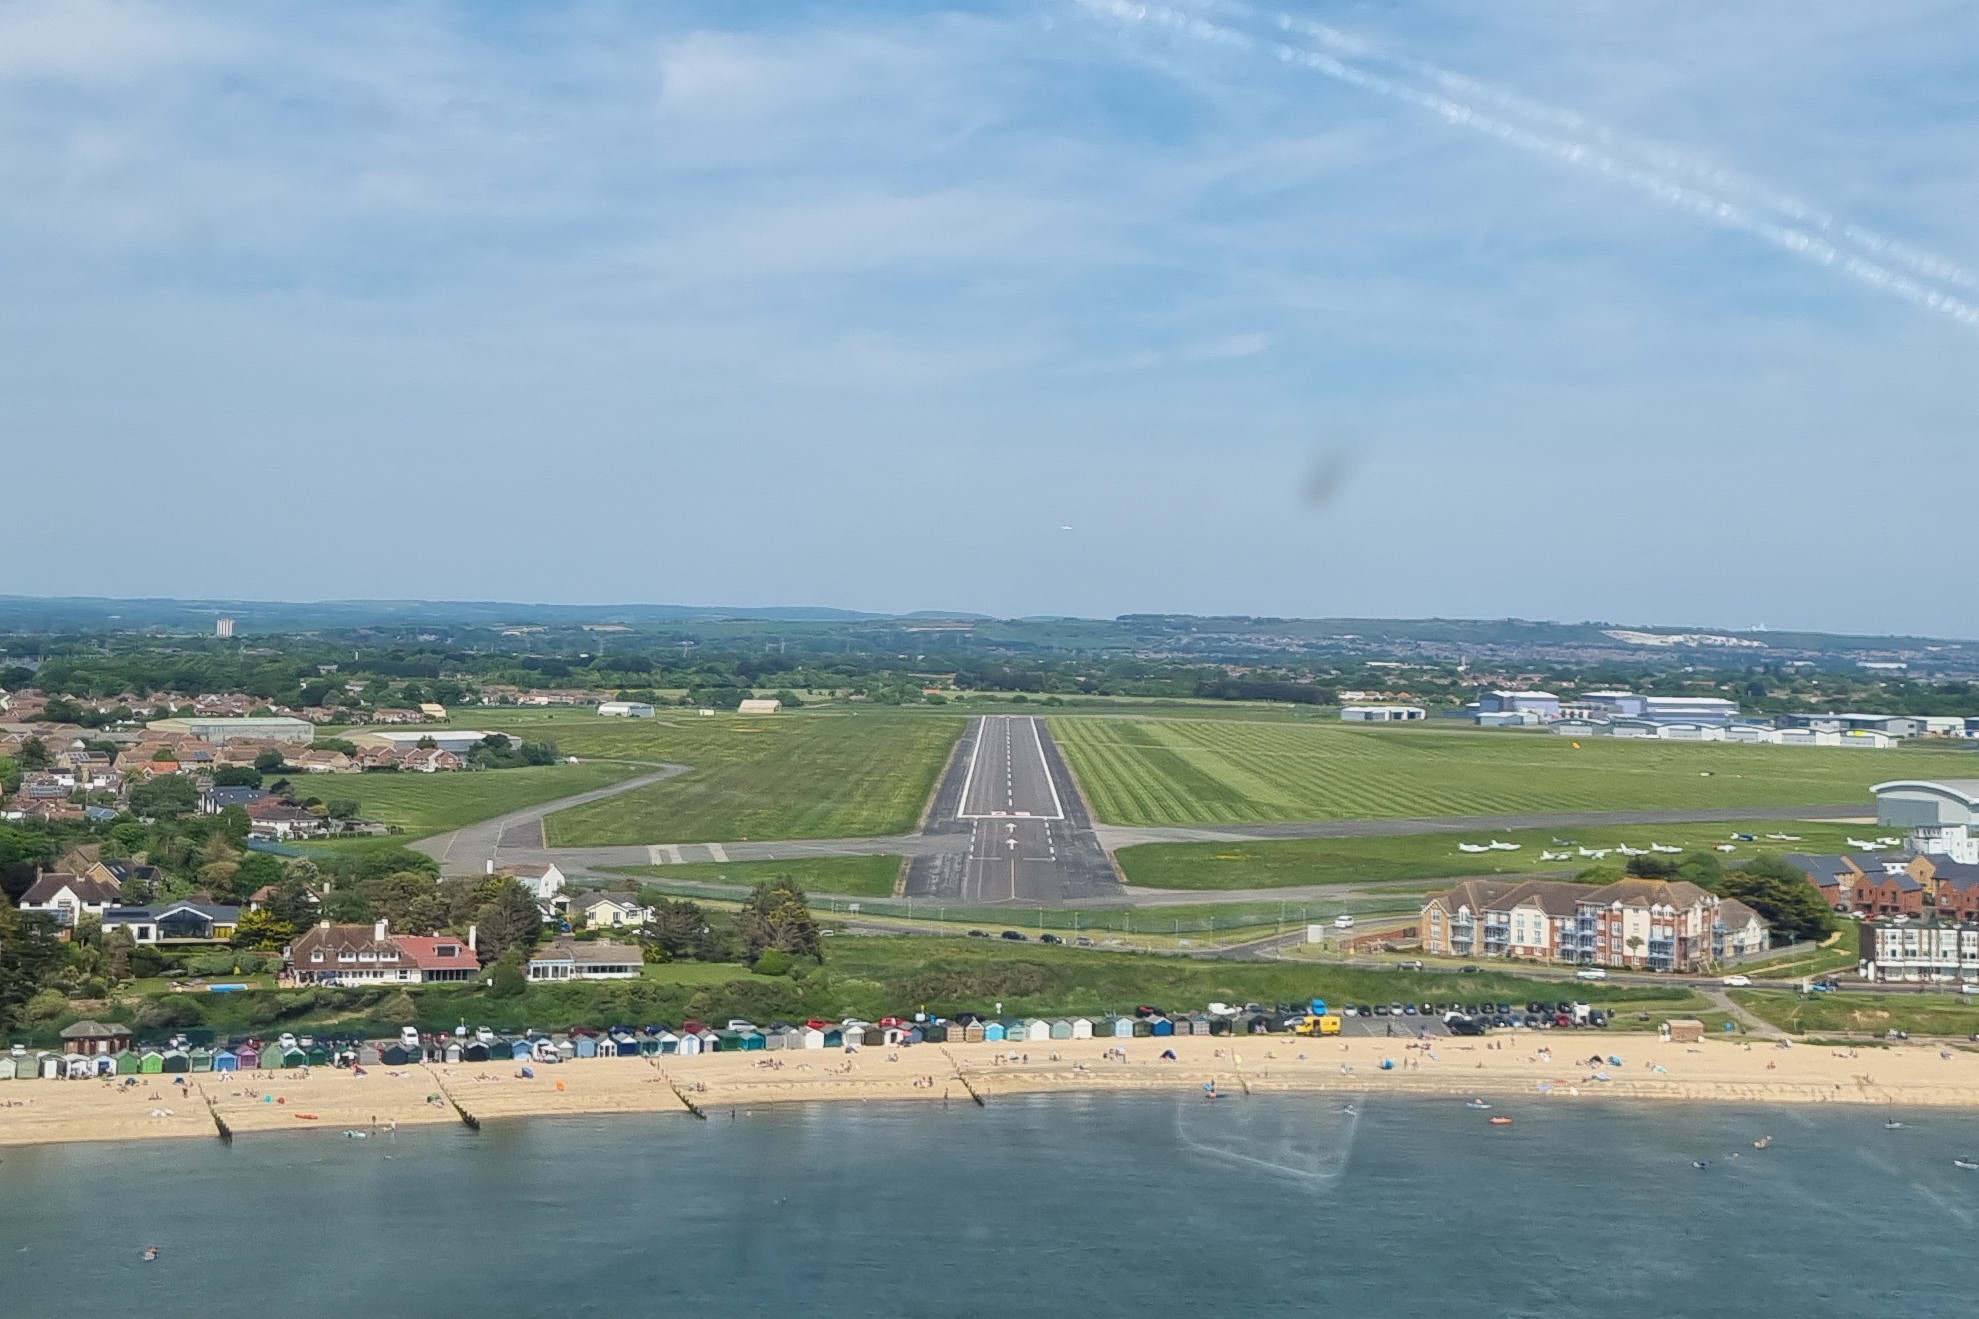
1008, 798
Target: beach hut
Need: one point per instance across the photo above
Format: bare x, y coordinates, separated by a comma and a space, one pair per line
776, 1037
396, 1054
476, 1051
368, 1054
689, 1045
1061, 1028
103, 1064
9, 1066
201, 1058
627, 1044
667, 1041
1161, 1026
814, 1037
994, 1032
316, 1054
973, 1033
1219, 1025
753, 1041
48, 1066
285, 1056
1082, 1028
521, 1050
453, 1052
151, 1062
1123, 1028
566, 1049
129, 1062
1040, 1029
936, 1032
249, 1055
1141, 1027
226, 1060
649, 1046
77, 1067
587, 1046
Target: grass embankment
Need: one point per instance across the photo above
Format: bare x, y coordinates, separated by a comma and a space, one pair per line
423, 804
1434, 857
864, 977
1205, 771
836, 773
1862, 1014
849, 876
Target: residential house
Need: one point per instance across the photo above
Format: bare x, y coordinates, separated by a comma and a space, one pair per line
430, 760
1652, 924
583, 959
1869, 884
214, 800
440, 959
1935, 948
272, 817
121, 873
543, 880
325, 761
190, 920
69, 898
347, 954
610, 910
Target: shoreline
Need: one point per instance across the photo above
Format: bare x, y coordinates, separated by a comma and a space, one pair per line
37, 1112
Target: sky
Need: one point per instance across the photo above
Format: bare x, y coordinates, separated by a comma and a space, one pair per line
1650, 314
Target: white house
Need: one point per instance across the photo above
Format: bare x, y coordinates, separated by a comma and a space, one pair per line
613, 910
578, 959
543, 880
68, 898
625, 709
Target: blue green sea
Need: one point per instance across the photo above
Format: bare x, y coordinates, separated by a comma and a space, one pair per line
1097, 1205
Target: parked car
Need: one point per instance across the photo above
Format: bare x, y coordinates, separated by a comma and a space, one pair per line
1049, 938
979, 934
1590, 973
1467, 970
1083, 941
1737, 982
1015, 936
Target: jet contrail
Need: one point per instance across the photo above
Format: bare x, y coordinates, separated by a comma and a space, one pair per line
1659, 184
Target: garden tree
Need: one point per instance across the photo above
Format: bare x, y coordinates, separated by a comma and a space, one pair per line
31, 956
217, 877
1702, 869
346, 906
119, 948
777, 916
164, 756
33, 754
257, 870
269, 762
166, 797
406, 898
232, 821
10, 774
127, 838
676, 926
1650, 867
1782, 897
21, 851
291, 903
236, 776
506, 978
334, 744
509, 919
262, 930
343, 808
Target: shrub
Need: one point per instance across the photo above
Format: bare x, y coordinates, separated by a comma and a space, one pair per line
773, 962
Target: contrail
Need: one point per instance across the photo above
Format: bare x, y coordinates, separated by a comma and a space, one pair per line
1659, 184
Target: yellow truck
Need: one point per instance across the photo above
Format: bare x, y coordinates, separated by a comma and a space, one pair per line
1325, 1024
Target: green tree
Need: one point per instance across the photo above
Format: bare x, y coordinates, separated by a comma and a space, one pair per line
1782, 897
262, 930
347, 906
508, 920
506, 977
270, 762
676, 926
119, 949
165, 797
30, 958
236, 776
778, 916
33, 754
394, 897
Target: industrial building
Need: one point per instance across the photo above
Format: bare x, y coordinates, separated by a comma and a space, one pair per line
625, 709
1382, 714
459, 741
220, 730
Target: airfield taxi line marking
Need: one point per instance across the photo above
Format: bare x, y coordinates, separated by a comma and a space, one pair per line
717, 852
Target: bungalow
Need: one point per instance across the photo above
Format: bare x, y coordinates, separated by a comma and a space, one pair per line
68, 898
613, 910
185, 921
576, 959
440, 959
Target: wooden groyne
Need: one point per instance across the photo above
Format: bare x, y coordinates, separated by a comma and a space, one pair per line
226, 1132
467, 1119
956, 1068
680, 1094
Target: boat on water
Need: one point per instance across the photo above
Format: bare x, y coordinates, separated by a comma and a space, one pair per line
1969, 1165
1893, 1125
150, 1253
1762, 1142
1476, 1103
1501, 1122
1699, 1163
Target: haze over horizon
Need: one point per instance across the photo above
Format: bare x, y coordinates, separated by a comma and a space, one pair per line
1383, 310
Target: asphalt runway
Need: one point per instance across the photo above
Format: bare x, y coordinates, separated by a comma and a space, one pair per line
1030, 841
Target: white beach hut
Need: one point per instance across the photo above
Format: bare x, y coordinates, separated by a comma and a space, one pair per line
690, 1043
1082, 1028
1038, 1029
813, 1038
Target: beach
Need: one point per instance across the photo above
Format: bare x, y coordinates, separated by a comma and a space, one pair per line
1552, 1067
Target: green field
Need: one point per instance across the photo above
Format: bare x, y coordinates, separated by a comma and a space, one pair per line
853, 876
846, 772
1236, 771
1853, 1013
433, 803
1434, 857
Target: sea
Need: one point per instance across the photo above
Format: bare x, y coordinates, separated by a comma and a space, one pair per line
1084, 1205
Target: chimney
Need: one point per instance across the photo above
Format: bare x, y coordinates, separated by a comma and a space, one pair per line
378, 931
473, 931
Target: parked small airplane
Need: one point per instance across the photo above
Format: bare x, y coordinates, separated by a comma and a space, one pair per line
1626, 850
1596, 852
1723, 847
1555, 856
1472, 847
1867, 847
1889, 842
1784, 838
1659, 847
1497, 846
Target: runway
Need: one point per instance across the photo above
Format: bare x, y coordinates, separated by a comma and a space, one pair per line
1030, 841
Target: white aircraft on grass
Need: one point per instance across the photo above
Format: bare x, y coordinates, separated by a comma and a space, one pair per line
1626, 850
1596, 852
1472, 847
1784, 838
1867, 847
1660, 847
1889, 842
1554, 856
1723, 847
1497, 846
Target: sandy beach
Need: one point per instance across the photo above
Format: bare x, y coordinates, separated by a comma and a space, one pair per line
1557, 1067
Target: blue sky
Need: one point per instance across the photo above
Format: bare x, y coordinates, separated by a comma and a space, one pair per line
1586, 310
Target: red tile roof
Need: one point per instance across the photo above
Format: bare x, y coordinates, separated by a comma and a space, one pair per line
424, 950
